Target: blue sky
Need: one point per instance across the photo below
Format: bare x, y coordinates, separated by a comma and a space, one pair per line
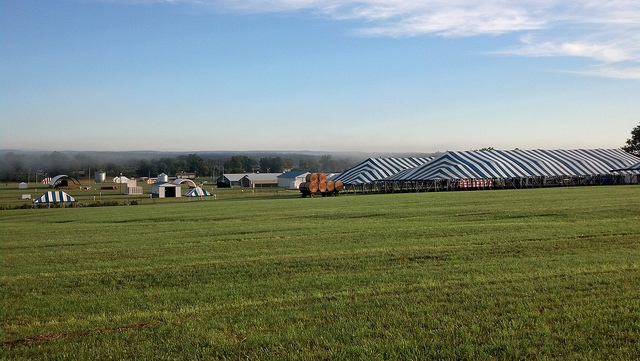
321, 75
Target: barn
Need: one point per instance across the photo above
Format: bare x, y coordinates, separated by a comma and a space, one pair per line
230, 180
165, 190
260, 180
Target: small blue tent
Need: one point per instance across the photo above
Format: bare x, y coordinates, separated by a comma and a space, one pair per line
197, 192
54, 197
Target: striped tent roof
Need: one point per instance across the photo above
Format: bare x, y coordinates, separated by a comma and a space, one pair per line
518, 164
197, 192
375, 169
631, 167
54, 197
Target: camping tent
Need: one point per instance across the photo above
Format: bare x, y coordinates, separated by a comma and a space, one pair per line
54, 197
197, 192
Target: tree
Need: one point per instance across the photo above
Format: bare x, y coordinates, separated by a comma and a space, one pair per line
633, 143
239, 164
271, 164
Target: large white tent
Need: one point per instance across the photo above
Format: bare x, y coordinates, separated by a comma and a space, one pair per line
510, 164
377, 169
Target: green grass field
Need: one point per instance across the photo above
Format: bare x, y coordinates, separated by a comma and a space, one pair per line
511, 274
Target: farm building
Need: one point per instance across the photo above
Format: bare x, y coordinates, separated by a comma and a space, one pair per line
230, 180
165, 190
292, 179
260, 180
186, 175
132, 187
23, 185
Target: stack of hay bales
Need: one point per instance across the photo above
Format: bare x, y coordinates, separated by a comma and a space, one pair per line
316, 183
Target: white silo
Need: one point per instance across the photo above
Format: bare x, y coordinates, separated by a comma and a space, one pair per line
101, 176
163, 178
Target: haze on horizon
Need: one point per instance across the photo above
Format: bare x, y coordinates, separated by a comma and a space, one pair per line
319, 75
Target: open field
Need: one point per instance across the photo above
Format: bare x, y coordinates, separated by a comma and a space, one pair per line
510, 274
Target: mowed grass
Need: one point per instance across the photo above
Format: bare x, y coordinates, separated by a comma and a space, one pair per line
511, 274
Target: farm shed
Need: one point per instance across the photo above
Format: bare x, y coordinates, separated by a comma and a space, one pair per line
186, 175
292, 179
230, 180
54, 197
23, 185
259, 180
165, 190
377, 169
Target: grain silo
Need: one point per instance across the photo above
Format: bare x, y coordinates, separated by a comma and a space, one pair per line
163, 178
101, 176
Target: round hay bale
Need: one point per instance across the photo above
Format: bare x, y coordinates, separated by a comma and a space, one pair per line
313, 187
305, 187
312, 177
330, 186
322, 187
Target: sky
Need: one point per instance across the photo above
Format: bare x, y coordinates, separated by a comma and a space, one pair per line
319, 75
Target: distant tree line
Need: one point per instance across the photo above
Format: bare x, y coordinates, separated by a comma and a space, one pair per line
23, 167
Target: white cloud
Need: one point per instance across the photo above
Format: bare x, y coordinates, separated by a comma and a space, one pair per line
606, 32
619, 72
